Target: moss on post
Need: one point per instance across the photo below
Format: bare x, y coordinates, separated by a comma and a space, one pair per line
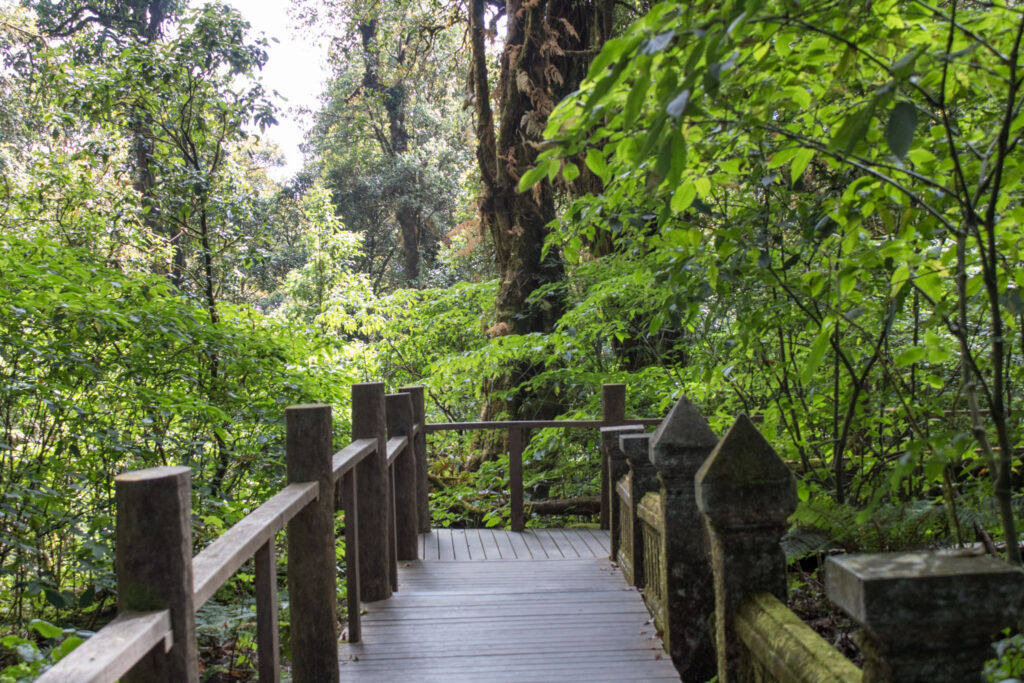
746, 493
680, 445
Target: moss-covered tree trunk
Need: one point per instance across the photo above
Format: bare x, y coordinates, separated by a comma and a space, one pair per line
548, 45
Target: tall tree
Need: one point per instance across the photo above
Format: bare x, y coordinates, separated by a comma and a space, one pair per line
545, 52
388, 142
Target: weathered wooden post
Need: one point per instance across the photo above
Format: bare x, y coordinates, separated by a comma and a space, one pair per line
312, 575
368, 422
925, 616
678, 449
419, 415
642, 479
400, 423
517, 516
153, 564
746, 493
617, 468
613, 412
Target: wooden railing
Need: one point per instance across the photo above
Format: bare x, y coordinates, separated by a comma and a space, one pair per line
378, 479
613, 398
380, 483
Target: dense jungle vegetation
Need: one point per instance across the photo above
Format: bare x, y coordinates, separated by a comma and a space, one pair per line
807, 211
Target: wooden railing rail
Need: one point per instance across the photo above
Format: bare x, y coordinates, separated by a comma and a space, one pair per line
613, 398
350, 456
161, 585
396, 447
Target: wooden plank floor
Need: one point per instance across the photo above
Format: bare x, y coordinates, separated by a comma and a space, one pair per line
549, 616
501, 544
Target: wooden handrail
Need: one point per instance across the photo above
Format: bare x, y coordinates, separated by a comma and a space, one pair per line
613, 399
351, 455
123, 644
396, 446
222, 558
535, 424
114, 650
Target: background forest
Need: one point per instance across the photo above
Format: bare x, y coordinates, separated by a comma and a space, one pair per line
807, 211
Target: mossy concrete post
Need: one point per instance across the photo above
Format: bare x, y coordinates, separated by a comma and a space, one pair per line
419, 414
374, 493
312, 564
679, 447
643, 478
400, 423
153, 564
746, 493
617, 468
925, 616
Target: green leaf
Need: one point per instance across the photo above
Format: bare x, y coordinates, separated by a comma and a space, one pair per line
65, 648
900, 131
45, 628
658, 43
596, 164
798, 94
570, 172
800, 162
683, 197
55, 598
677, 107
910, 356
534, 175
816, 355
853, 129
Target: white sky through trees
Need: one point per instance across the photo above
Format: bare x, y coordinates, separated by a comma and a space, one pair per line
296, 68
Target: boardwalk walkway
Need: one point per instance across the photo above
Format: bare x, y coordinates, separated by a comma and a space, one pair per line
541, 605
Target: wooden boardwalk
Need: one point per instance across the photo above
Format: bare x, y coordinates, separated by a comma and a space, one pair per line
501, 544
544, 605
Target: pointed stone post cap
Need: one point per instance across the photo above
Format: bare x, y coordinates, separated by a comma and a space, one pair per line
636, 447
682, 440
744, 483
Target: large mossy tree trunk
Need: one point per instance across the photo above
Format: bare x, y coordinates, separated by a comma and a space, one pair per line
547, 49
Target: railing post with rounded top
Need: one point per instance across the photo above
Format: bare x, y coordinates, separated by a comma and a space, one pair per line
312, 576
368, 422
153, 564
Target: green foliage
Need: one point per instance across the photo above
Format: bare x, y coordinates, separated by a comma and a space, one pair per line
105, 372
829, 193
53, 644
1008, 665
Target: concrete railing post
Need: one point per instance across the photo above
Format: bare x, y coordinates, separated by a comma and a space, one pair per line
643, 478
312, 568
925, 616
400, 423
613, 412
373, 493
153, 564
679, 447
746, 493
419, 415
